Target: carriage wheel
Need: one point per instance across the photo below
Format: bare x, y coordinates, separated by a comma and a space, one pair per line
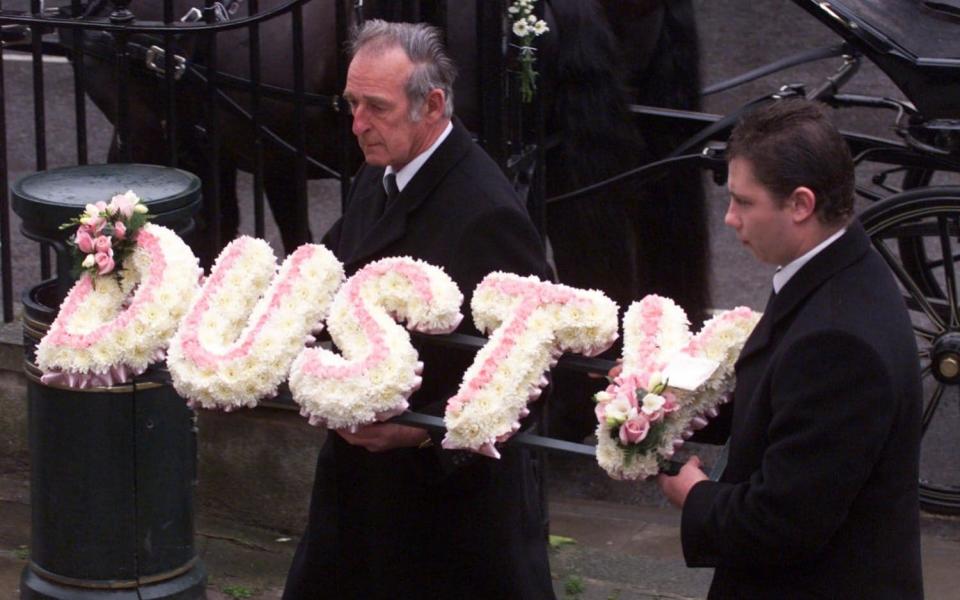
924, 225
913, 253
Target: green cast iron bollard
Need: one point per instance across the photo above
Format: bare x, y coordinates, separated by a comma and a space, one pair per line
113, 470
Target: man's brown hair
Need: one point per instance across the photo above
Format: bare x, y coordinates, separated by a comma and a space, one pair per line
792, 143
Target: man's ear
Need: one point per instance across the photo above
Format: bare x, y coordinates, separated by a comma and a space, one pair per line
803, 203
434, 104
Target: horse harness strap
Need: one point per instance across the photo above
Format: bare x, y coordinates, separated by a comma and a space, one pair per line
147, 50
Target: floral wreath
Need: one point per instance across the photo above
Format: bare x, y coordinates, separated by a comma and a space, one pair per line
671, 383
379, 368
237, 342
530, 323
114, 322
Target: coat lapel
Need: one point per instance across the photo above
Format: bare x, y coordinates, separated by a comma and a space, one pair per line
379, 233
849, 248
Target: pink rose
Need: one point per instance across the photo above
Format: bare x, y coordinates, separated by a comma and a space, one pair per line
120, 230
104, 263
102, 245
634, 431
84, 241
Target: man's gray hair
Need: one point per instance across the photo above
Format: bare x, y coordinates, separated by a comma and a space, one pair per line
423, 44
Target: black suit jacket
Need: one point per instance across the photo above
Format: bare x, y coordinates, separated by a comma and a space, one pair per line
410, 523
819, 498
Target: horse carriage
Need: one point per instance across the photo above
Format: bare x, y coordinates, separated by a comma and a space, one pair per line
617, 148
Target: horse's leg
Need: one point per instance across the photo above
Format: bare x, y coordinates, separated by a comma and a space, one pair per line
593, 240
630, 239
192, 157
281, 189
593, 237
229, 205
672, 79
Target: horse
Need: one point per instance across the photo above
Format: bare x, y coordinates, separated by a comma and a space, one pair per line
628, 239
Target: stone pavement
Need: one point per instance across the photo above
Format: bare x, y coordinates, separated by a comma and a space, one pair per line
616, 552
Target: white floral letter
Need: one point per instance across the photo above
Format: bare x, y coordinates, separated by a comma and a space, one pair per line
379, 368
532, 322
237, 342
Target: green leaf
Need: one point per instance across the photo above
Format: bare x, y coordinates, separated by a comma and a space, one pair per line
574, 586
238, 591
558, 541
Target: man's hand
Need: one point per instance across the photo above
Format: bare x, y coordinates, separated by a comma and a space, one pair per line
379, 437
676, 488
614, 371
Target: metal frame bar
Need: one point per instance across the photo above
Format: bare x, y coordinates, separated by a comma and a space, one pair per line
5, 262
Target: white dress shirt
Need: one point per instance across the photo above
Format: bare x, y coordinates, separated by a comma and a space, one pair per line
405, 174
785, 273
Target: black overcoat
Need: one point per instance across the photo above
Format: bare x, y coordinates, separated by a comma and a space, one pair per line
428, 523
819, 498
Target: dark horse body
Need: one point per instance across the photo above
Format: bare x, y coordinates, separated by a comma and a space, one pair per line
628, 239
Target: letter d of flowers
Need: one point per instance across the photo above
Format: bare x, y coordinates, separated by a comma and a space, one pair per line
236, 344
97, 338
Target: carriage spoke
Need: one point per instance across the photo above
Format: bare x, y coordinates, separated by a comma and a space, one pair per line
924, 333
948, 270
909, 284
931, 407
926, 370
939, 262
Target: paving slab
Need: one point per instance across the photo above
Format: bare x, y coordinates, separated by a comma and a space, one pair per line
606, 551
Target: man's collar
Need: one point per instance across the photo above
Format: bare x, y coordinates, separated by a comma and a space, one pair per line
405, 174
785, 273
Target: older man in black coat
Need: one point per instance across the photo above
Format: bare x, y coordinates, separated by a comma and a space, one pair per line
393, 515
819, 497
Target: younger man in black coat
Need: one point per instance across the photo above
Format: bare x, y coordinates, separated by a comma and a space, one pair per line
819, 498
393, 516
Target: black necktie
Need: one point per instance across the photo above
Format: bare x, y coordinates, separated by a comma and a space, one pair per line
390, 183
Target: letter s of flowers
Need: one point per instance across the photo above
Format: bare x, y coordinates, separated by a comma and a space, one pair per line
236, 344
379, 368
